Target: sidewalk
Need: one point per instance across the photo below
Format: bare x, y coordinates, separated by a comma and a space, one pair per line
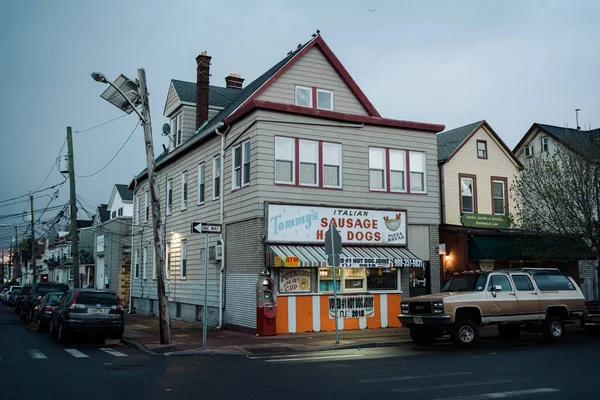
143, 332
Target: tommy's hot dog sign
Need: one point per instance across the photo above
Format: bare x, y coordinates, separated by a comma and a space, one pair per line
307, 224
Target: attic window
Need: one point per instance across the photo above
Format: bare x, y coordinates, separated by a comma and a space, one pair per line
324, 99
303, 96
528, 151
544, 143
482, 149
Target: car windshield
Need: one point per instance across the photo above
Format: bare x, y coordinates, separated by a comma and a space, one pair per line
53, 288
466, 283
95, 298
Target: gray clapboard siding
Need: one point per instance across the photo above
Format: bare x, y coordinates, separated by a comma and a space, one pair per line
313, 70
189, 123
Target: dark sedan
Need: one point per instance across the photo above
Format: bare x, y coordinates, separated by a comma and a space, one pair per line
25, 290
88, 311
42, 313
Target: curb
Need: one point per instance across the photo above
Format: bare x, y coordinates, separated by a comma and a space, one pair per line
202, 353
140, 347
361, 346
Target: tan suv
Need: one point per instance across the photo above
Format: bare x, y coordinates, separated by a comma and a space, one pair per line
532, 298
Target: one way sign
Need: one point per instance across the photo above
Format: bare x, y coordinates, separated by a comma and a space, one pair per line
200, 227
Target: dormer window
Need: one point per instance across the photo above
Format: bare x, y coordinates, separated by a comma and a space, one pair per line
303, 96
176, 126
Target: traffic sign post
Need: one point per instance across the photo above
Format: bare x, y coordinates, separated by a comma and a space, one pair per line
208, 229
333, 249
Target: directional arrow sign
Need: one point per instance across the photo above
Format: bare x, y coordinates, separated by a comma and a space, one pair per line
200, 227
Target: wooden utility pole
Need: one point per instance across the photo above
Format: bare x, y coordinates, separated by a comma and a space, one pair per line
17, 264
2, 270
33, 246
163, 304
73, 204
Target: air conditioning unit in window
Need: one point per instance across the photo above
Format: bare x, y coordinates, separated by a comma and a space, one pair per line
528, 151
219, 252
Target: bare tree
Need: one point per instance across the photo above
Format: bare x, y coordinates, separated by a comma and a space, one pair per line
558, 199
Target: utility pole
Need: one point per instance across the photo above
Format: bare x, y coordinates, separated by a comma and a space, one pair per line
2, 271
33, 246
73, 197
17, 263
163, 304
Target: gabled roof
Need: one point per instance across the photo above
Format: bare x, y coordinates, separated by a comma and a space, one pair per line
217, 96
450, 142
124, 192
103, 213
560, 134
246, 101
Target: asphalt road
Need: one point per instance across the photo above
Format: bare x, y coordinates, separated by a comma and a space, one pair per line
32, 365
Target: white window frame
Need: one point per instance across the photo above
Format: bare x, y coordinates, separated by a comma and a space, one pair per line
385, 183
316, 161
328, 92
310, 102
504, 200
146, 206
153, 264
168, 260
201, 183
184, 190
138, 206
544, 144
174, 130
404, 170
169, 201
179, 132
324, 163
145, 263
293, 160
136, 265
472, 195
217, 173
424, 172
183, 260
240, 170
528, 151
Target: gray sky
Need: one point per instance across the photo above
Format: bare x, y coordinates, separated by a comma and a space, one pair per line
449, 62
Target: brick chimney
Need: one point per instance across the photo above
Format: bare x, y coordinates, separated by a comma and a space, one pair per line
202, 80
234, 81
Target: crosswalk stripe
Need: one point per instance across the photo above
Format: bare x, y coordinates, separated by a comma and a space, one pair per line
455, 385
502, 395
113, 352
313, 358
407, 378
76, 353
36, 354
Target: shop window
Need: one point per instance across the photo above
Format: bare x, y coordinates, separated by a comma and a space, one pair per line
354, 279
382, 279
347, 279
326, 279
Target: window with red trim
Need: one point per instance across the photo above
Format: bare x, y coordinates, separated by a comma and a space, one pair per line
397, 171
310, 163
314, 97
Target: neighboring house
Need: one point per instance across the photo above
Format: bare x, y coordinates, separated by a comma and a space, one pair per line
112, 250
27, 265
542, 139
477, 170
299, 147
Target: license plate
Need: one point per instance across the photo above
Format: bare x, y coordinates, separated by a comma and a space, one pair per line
98, 311
418, 320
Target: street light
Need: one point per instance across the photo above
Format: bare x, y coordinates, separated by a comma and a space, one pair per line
122, 93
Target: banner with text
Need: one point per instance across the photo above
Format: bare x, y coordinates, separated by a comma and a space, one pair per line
352, 306
307, 224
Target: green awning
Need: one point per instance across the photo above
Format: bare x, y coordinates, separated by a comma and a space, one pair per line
494, 248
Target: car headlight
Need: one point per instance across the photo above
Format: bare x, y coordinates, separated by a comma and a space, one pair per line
438, 307
404, 308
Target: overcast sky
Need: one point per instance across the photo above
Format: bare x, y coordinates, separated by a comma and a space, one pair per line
449, 62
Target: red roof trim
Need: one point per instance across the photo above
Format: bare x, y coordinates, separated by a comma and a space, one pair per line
337, 66
313, 112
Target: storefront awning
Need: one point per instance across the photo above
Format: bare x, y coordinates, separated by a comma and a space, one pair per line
356, 257
494, 248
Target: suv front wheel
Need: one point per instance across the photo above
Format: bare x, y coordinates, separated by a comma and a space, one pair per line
465, 334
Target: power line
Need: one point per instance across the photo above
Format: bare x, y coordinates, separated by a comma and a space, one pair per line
34, 192
115, 156
54, 164
102, 124
20, 214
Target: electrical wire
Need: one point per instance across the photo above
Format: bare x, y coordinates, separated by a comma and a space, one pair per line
115, 156
34, 192
102, 124
20, 214
54, 165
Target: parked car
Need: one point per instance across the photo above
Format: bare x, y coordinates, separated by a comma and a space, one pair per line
88, 311
530, 298
6, 294
24, 293
12, 300
43, 311
35, 296
591, 316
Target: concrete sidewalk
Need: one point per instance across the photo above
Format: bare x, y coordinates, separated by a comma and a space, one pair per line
142, 332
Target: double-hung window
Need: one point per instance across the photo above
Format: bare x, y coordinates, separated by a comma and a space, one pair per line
184, 189
397, 170
169, 196
482, 149
310, 163
544, 143
146, 206
417, 172
145, 263
120, 212
241, 165
201, 182
137, 264
309, 159
284, 160
468, 193
499, 195
377, 167
216, 177
138, 206
179, 128
183, 269
168, 260
153, 264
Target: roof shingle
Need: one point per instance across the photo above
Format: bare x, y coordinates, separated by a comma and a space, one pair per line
448, 141
124, 192
217, 96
